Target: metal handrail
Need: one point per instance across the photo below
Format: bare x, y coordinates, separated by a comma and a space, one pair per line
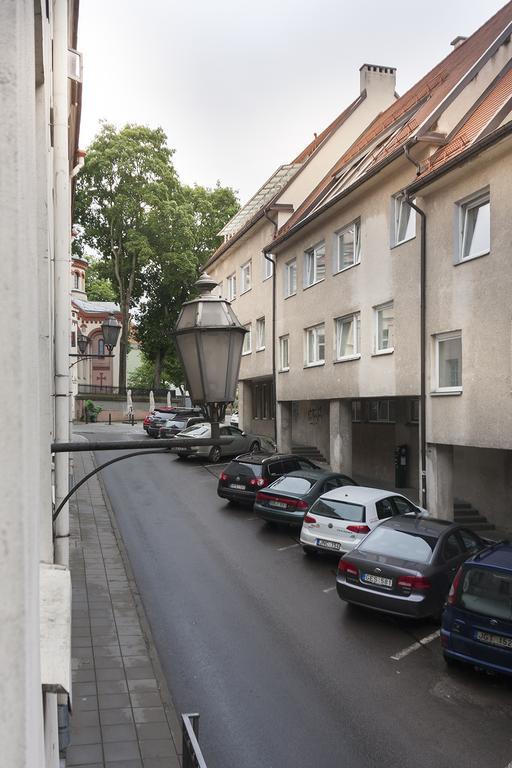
192, 755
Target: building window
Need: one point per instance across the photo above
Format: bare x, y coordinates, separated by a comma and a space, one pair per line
284, 353
268, 267
314, 265
315, 345
357, 410
260, 333
448, 362
247, 345
384, 328
73, 339
474, 226
263, 401
76, 280
404, 221
347, 251
290, 278
245, 278
231, 287
101, 347
414, 411
348, 337
381, 410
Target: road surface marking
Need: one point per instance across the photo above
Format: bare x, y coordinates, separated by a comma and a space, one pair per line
328, 590
416, 646
290, 546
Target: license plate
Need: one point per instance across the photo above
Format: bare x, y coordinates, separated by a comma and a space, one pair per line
182, 450
278, 504
237, 486
498, 640
335, 545
380, 581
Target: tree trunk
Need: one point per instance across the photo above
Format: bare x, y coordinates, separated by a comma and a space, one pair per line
123, 346
157, 378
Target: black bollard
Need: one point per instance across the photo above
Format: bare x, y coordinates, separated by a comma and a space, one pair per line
109, 418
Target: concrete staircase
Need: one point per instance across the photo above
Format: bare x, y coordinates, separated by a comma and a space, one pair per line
465, 514
309, 452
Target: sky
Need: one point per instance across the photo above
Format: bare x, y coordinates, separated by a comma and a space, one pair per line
241, 87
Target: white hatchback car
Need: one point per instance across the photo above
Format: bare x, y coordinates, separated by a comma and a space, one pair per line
339, 519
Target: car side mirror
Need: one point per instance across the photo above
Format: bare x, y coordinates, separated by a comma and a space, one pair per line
244, 434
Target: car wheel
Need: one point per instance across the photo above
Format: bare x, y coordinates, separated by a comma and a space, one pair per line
254, 447
214, 454
310, 551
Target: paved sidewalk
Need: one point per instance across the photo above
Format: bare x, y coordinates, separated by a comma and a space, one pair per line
122, 716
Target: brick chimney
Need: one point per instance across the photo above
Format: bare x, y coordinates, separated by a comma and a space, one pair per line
374, 77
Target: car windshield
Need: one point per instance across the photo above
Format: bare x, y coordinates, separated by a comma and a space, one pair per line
487, 592
288, 484
197, 430
342, 510
403, 545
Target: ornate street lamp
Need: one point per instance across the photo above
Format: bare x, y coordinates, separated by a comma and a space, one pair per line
209, 339
111, 329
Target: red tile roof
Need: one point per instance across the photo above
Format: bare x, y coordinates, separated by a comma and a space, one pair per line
422, 99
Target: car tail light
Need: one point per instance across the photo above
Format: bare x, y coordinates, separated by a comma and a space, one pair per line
310, 519
452, 594
259, 482
348, 568
358, 528
413, 582
303, 505
223, 476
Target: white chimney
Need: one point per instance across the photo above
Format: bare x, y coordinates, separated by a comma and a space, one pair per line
374, 77
458, 41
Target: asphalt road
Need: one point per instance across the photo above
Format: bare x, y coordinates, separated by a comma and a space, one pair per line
251, 634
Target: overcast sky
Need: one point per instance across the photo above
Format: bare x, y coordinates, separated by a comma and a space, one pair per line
240, 87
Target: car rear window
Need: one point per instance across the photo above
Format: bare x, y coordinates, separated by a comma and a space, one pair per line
242, 469
197, 430
487, 592
342, 510
406, 546
293, 484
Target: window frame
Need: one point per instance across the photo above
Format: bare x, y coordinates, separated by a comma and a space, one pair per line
376, 309
469, 203
267, 267
287, 272
260, 322
313, 253
231, 286
356, 225
246, 277
314, 329
441, 337
397, 206
248, 338
285, 338
354, 317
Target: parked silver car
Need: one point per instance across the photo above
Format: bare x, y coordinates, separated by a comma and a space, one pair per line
241, 442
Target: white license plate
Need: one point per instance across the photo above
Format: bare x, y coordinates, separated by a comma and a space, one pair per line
380, 581
237, 486
328, 544
498, 640
181, 450
278, 504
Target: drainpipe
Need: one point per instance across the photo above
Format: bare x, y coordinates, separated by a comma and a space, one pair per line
62, 228
268, 257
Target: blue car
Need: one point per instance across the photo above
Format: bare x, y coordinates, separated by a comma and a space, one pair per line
477, 621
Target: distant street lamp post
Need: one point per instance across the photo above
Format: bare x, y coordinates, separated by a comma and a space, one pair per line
209, 340
110, 329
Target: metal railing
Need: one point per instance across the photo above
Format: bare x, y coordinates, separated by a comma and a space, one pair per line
192, 755
103, 389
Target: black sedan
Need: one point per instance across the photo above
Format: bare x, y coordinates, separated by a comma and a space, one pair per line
405, 566
288, 499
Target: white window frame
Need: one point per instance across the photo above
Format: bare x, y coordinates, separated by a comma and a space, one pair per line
339, 322
287, 272
247, 345
356, 227
376, 310
439, 338
260, 323
314, 330
284, 342
245, 277
313, 254
476, 200
267, 267
231, 287
399, 205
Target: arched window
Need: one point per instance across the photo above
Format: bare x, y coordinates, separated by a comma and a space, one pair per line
101, 347
76, 279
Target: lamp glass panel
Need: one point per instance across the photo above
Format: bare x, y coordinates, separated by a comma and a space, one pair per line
215, 358
186, 344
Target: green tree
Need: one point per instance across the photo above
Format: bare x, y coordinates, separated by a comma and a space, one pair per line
98, 286
143, 376
127, 181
